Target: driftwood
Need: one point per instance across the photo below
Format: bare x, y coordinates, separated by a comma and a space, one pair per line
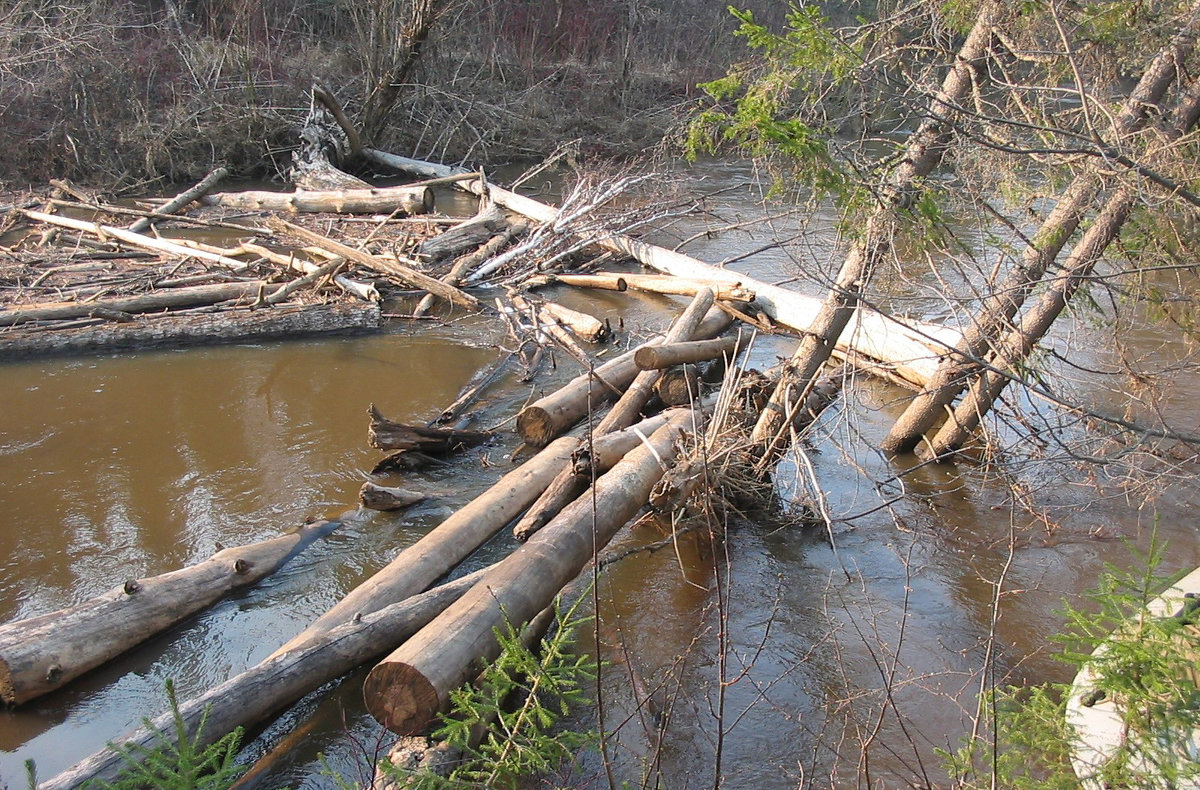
585, 326
377, 497
592, 459
202, 188
465, 263
654, 283
467, 236
200, 328
384, 434
671, 354
161, 299
549, 416
418, 566
271, 685
44, 653
407, 689
405, 273
376, 200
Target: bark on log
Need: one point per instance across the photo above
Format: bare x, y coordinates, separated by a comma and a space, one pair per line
551, 415
585, 326
668, 355
44, 653
270, 686
910, 350
202, 188
137, 239
394, 268
384, 434
467, 236
161, 299
448, 544
654, 283
1001, 305
377, 200
183, 329
377, 497
411, 685
589, 461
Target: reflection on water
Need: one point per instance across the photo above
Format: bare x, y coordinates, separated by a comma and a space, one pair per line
771, 648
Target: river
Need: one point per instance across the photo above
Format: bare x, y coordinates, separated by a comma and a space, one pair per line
772, 651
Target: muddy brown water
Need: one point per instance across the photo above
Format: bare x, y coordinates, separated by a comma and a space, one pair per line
112, 467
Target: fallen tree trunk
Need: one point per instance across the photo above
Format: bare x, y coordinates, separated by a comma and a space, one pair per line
549, 416
271, 685
407, 689
394, 268
179, 329
668, 355
202, 188
377, 497
44, 653
467, 236
652, 283
448, 544
377, 200
384, 434
909, 349
589, 461
137, 239
162, 299
469, 261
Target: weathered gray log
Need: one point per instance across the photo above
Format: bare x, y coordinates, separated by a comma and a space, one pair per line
551, 415
142, 241
591, 459
44, 653
184, 329
202, 188
377, 200
407, 689
654, 283
394, 268
467, 236
376, 497
271, 685
384, 434
909, 349
465, 263
162, 299
449, 543
668, 355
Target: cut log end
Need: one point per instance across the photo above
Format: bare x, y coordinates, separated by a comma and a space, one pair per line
535, 426
401, 698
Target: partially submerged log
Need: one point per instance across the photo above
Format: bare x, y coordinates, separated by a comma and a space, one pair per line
199, 328
669, 355
448, 544
376, 200
384, 434
585, 326
549, 416
44, 653
271, 685
407, 689
376, 497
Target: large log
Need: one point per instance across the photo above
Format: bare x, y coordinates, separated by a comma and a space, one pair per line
407, 689
379, 200
271, 685
448, 544
668, 355
909, 349
467, 236
174, 330
162, 299
549, 416
44, 653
